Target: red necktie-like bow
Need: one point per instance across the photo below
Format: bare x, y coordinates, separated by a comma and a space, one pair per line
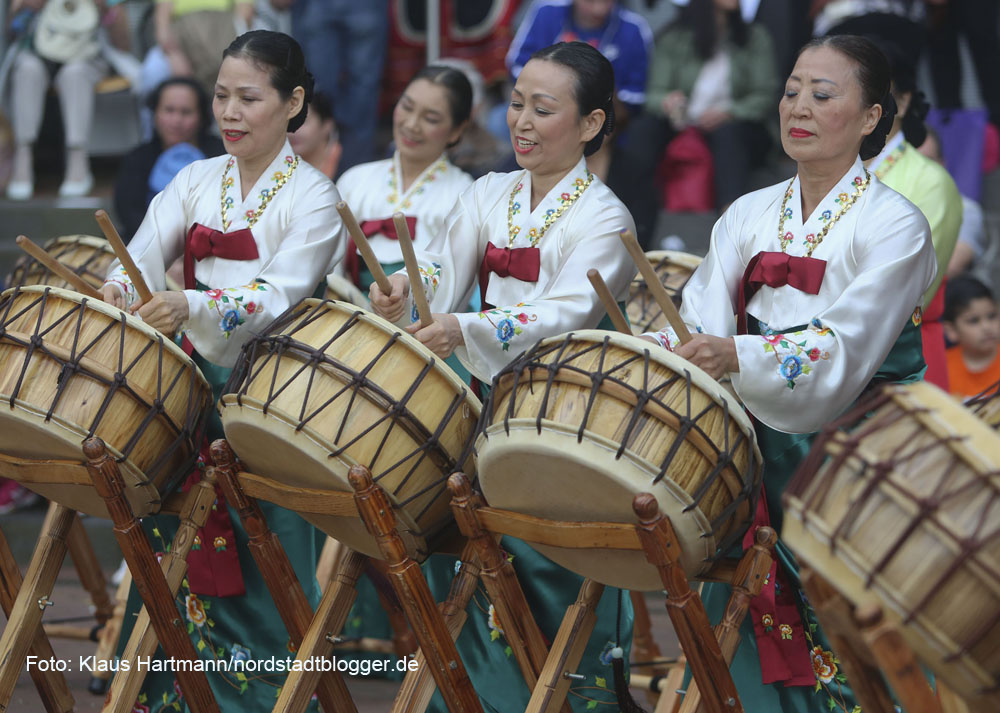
386, 227
522, 263
205, 242
777, 270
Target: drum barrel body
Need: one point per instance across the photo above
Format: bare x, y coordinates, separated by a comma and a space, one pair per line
581, 423
328, 386
899, 503
85, 255
75, 368
674, 269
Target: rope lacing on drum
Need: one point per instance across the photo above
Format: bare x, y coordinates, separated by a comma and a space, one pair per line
76, 362
879, 413
40, 274
551, 360
267, 351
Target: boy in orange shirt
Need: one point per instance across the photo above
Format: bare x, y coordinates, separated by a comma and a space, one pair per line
972, 323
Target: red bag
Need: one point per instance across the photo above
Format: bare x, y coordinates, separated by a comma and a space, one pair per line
689, 173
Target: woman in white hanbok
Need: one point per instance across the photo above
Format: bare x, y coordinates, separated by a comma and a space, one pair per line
527, 240
810, 294
258, 231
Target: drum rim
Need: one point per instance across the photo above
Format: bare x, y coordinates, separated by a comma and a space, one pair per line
109, 311
335, 283
82, 239
679, 257
391, 329
677, 364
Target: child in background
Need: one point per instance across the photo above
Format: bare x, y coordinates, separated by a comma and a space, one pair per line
972, 323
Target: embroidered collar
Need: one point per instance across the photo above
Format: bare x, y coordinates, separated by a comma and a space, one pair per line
833, 206
892, 151
532, 226
285, 160
428, 175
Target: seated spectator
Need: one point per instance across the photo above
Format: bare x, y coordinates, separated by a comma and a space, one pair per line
620, 35
972, 324
720, 85
190, 38
181, 120
972, 233
317, 141
44, 50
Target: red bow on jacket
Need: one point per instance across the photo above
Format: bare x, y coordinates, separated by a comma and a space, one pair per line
522, 263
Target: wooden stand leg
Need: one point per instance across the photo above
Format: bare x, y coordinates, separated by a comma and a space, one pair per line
708, 667
81, 551
670, 696
329, 561
835, 616
142, 643
747, 583
107, 641
432, 634
519, 626
329, 620
644, 646
951, 702
897, 661
52, 687
149, 579
277, 571
418, 686
404, 643
549, 694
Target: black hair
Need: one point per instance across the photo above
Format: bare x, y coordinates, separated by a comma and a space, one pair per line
281, 57
959, 292
204, 105
457, 86
594, 87
699, 15
321, 106
875, 77
904, 81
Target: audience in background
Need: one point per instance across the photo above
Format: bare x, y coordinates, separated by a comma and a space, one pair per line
972, 324
317, 141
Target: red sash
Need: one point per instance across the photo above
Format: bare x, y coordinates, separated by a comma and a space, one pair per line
386, 227
778, 627
522, 263
202, 242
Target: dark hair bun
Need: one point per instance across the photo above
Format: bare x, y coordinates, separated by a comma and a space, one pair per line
914, 128
873, 144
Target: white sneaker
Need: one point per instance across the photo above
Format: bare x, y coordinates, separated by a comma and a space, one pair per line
20, 190
76, 189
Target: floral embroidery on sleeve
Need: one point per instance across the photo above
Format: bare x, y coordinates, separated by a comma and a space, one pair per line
430, 277
508, 322
796, 352
233, 305
121, 279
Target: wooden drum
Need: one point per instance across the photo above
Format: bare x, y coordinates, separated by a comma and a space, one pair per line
674, 270
581, 423
899, 503
87, 256
987, 405
328, 386
72, 368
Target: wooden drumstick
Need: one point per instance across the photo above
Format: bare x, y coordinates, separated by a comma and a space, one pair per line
361, 241
614, 311
412, 269
123, 256
655, 286
78, 283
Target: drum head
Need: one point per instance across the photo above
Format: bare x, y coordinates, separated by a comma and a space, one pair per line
556, 474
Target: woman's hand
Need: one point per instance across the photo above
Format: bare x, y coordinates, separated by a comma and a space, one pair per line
166, 312
442, 336
113, 296
674, 107
714, 355
392, 306
712, 119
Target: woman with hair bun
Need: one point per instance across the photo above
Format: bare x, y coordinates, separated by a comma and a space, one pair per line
929, 186
810, 294
527, 240
258, 231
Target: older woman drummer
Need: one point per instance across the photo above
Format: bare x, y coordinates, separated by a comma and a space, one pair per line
810, 293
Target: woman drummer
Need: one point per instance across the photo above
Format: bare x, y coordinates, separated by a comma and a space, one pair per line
831, 267
258, 231
419, 180
528, 239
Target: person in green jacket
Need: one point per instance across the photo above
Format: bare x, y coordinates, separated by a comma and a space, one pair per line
715, 73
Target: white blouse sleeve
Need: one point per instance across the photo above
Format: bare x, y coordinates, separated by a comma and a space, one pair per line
224, 317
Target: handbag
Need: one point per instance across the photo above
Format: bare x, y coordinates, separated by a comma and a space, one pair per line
67, 31
690, 174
